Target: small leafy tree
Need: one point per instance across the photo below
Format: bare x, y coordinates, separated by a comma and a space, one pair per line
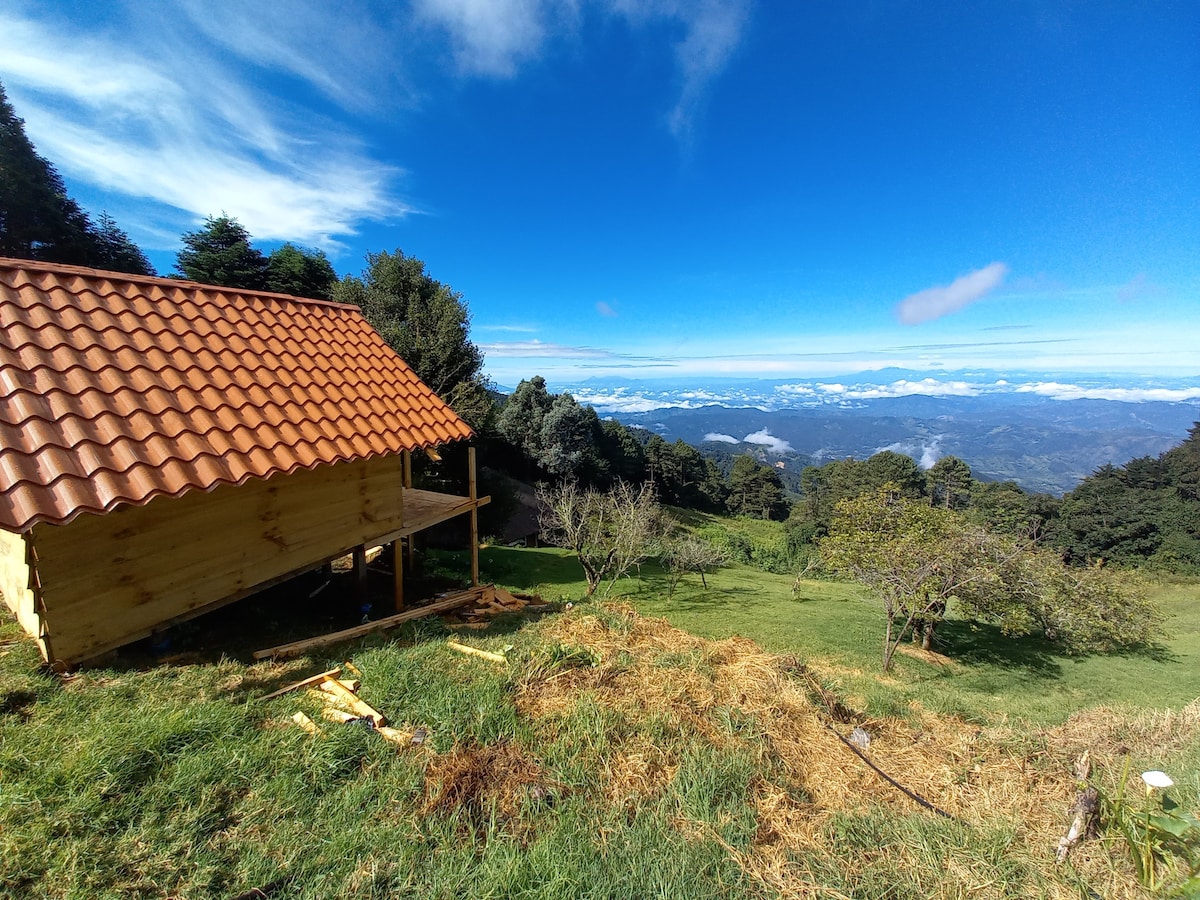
915, 558
918, 559
609, 532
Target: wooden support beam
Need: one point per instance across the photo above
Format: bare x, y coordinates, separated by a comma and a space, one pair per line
445, 604
360, 572
472, 488
398, 573
433, 454
406, 469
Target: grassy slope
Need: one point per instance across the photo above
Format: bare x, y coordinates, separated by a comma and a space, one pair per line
172, 781
986, 676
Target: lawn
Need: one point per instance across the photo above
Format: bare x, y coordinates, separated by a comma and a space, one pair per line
613, 756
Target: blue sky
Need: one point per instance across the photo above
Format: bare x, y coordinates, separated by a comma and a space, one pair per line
682, 188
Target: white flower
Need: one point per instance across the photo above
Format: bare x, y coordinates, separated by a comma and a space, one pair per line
1156, 779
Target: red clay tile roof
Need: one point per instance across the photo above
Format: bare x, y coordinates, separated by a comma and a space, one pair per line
117, 388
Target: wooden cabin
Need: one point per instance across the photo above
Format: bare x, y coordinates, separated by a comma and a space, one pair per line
168, 447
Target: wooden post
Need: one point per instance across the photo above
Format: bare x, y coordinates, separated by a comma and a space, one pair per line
360, 572
406, 481
398, 572
471, 492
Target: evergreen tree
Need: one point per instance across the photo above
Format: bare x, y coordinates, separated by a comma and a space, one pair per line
301, 273
426, 322
756, 490
117, 252
37, 218
220, 253
949, 483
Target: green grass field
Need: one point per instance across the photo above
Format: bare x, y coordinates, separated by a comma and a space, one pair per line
986, 675
632, 770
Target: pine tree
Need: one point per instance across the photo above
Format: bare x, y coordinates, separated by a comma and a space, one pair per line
37, 218
117, 252
220, 253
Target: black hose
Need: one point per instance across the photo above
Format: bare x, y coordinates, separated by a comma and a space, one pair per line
892, 781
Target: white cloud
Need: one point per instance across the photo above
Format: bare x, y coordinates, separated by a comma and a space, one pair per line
929, 387
764, 438
187, 136
719, 438
1057, 391
933, 303
516, 329
605, 309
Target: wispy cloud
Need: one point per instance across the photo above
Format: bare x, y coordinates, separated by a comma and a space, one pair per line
517, 329
494, 38
718, 438
606, 309
933, 303
490, 37
128, 124
714, 30
1138, 288
538, 350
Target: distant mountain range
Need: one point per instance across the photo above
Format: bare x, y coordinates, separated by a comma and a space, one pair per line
1044, 431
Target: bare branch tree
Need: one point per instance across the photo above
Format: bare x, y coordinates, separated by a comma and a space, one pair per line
609, 533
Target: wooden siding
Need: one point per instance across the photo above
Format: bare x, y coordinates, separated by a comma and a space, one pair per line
108, 580
16, 582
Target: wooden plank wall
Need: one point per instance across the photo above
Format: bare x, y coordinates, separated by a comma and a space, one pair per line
107, 580
16, 582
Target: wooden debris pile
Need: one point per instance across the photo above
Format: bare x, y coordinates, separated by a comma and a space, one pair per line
495, 601
343, 706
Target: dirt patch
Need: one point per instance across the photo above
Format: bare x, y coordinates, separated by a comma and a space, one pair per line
497, 781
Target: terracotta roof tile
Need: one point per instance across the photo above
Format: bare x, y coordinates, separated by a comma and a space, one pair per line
116, 389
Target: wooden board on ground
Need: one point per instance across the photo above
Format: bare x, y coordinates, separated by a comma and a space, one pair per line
332, 673
453, 601
353, 701
475, 651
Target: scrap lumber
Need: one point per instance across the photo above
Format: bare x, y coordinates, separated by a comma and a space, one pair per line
353, 701
395, 735
473, 651
332, 673
306, 723
351, 685
453, 601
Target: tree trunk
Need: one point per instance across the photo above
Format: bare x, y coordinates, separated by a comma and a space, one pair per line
927, 636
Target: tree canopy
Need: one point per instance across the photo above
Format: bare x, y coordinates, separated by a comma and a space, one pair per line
1146, 512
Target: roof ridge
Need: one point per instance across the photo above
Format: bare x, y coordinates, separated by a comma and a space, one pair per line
36, 265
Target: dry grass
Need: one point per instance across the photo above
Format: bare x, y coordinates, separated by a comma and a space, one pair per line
987, 777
